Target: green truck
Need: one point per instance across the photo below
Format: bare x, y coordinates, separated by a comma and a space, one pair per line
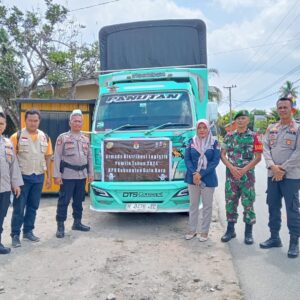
153, 88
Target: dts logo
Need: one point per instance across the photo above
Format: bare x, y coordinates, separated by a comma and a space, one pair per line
130, 194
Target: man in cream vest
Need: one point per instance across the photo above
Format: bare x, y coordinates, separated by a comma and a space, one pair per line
33, 150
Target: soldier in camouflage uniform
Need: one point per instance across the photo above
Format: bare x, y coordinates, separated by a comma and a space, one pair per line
241, 151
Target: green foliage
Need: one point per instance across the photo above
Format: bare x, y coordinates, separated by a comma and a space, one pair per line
43, 48
261, 126
288, 90
223, 121
11, 69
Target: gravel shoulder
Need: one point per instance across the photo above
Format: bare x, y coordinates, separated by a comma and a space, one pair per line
124, 256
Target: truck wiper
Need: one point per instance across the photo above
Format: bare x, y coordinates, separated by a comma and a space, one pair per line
126, 126
166, 125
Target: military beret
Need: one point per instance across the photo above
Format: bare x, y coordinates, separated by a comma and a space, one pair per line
241, 113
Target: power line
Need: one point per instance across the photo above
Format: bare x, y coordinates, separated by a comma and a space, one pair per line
255, 67
295, 69
264, 97
86, 7
268, 38
253, 47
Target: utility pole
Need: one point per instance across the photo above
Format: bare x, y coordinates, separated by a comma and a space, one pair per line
230, 104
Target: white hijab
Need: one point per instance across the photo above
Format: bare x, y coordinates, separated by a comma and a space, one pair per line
203, 144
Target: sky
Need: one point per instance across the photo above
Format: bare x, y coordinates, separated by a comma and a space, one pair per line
254, 45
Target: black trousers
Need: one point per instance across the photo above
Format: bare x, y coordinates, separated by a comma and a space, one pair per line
289, 190
4, 204
70, 188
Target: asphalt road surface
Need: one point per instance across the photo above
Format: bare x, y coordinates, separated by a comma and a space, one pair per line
263, 274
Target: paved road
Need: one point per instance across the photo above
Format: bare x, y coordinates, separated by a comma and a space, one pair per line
263, 274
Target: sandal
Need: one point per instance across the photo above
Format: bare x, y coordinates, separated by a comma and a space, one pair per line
190, 235
202, 238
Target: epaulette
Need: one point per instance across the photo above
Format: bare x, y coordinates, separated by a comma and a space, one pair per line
85, 137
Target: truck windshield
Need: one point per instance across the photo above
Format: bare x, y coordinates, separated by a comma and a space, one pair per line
147, 110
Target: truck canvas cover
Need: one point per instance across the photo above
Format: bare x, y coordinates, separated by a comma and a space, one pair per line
149, 44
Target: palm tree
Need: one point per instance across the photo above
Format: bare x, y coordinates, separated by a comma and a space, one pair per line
288, 90
214, 93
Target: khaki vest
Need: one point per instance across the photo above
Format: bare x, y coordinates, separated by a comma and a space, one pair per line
31, 155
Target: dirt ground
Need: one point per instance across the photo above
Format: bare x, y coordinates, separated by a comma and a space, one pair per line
124, 256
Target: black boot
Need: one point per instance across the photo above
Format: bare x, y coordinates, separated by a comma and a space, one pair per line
273, 241
248, 234
4, 250
60, 233
77, 225
229, 234
294, 247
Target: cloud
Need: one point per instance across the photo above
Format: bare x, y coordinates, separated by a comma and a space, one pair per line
262, 29
231, 5
129, 11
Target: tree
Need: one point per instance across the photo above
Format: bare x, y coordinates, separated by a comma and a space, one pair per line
214, 93
11, 73
222, 122
46, 44
76, 63
288, 90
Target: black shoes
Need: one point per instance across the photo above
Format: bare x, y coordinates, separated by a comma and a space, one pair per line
293, 251
271, 243
60, 233
30, 236
4, 250
248, 234
77, 225
229, 234
15, 241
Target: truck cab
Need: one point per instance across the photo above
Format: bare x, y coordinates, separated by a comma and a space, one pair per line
145, 116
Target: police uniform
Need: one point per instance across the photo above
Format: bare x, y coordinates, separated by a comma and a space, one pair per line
282, 147
73, 164
31, 151
240, 150
10, 177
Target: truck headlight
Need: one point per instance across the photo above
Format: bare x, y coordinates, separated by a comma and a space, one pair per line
182, 193
100, 192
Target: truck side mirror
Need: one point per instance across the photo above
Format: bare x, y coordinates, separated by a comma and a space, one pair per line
212, 111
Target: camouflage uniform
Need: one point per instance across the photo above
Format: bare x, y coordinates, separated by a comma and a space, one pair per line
240, 149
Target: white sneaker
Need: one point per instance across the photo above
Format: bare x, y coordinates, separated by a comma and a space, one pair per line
190, 235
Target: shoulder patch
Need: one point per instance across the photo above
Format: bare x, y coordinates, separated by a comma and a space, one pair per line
59, 141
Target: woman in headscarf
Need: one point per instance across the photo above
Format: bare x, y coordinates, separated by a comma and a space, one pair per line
201, 158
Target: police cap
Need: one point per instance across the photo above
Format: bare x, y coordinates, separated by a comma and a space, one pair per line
241, 113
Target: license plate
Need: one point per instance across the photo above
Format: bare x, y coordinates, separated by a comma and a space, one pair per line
141, 207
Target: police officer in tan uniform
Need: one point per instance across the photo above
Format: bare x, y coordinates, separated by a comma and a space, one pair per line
72, 165
10, 177
34, 150
282, 156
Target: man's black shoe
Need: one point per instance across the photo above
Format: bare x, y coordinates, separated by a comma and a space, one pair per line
248, 235
15, 241
77, 225
293, 251
249, 240
4, 250
30, 236
271, 243
228, 236
60, 233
